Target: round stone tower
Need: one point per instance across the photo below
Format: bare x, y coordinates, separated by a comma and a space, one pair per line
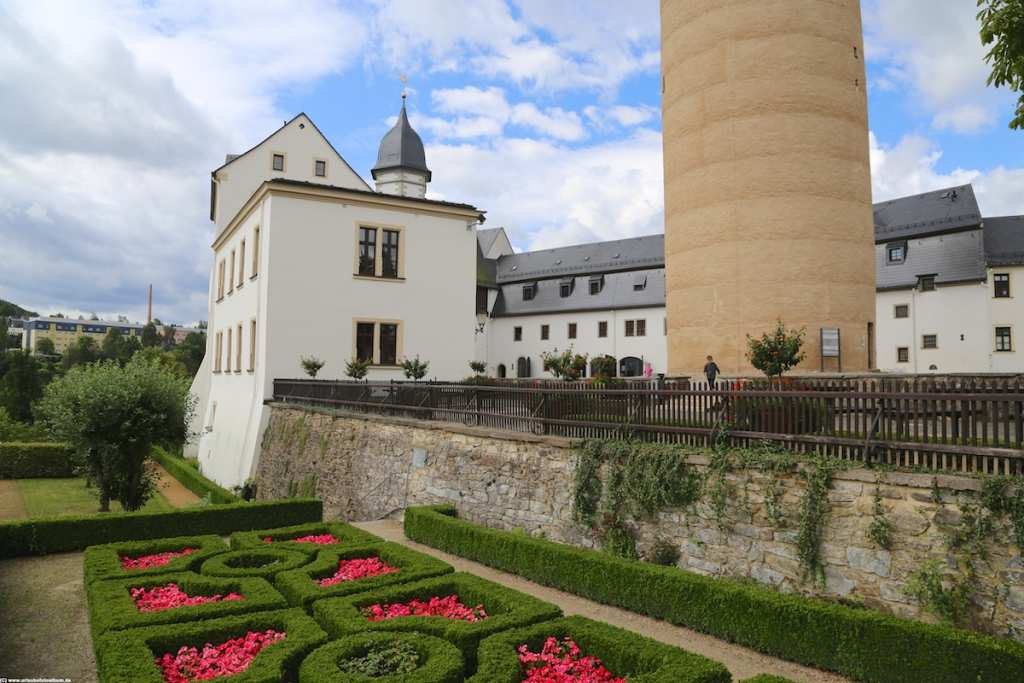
767, 182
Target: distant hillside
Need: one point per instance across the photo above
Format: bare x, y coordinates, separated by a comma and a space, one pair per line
9, 310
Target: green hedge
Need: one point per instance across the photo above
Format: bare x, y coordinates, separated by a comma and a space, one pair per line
623, 653
862, 644
191, 478
440, 661
104, 561
62, 534
112, 608
262, 562
35, 460
301, 589
506, 608
348, 535
128, 656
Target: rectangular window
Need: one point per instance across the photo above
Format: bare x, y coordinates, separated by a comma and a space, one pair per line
481, 300
517, 334
565, 287
364, 341
630, 328
227, 366
231, 274
602, 328
1001, 284
896, 253
639, 282
255, 251
929, 341
241, 263
901, 311
278, 162
596, 284
572, 330
368, 251
252, 345
388, 344
389, 254
641, 328
1004, 341
926, 283
320, 168
902, 354
238, 348
220, 280
217, 347
529, 291
544, 332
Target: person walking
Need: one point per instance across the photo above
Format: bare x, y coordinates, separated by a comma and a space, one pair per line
711, 371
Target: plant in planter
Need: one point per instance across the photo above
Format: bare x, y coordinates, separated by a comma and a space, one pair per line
357, 368
565, 365
134, 559
415, 369
305, 538
311, 365
332, 574
262, 562
776, 351
408, 657
478, 367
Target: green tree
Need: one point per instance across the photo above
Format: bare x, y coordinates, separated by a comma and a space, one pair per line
415, 369
310, 364
357, 368
83, 351
776, 351
112, 344
478, 367
4, 328
44, 345
191, 351
1002, 27
111, 416
168, 338
22, 384
167, 360
150, 336
566, 365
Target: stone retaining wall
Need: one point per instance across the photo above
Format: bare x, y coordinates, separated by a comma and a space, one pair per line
366, 468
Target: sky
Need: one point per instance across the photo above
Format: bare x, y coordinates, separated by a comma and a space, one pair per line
544, 113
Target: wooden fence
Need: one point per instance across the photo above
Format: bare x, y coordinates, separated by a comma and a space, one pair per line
963, 425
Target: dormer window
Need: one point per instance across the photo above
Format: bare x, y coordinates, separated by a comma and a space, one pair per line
529, 291
896, 253
596, 284
926, 283
639, 282
277, 162
565, 287
320, 168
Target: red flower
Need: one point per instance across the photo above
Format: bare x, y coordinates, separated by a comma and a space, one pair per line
319, 539
213, 661
156, 560
360, 568
170, 596
562, 663
448, 607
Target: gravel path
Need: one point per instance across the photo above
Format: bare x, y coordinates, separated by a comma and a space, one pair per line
172, 489
12, 505
741, 661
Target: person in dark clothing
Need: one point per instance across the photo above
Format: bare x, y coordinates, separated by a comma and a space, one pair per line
711, 371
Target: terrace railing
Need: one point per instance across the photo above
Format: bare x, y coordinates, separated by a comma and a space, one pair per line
961, 424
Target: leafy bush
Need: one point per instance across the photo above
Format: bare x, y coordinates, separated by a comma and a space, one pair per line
861, 644
415, 369
111, 606
357, 368
311, 365
777, 351
565, 365
189, 477
664, 553
63, 534
438, 661
35, 460
603, 367
129, 656
261, 562
12, 430
505, 608
104, 561
301, 589
111, 416
385, 658
625, 654
478, 366
348, 535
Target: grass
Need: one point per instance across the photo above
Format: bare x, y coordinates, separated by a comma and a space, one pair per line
53, 497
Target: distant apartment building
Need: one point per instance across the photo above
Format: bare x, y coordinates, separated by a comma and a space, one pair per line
65, 331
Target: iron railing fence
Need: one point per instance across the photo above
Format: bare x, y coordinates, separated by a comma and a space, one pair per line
963, 425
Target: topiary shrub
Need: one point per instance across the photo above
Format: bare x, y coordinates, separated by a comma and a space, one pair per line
105, 561
262, 562
438, 660
347, 535
301, 586
35, 460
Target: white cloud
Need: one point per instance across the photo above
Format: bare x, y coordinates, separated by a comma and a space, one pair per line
485, 112
968, 118
623, 115
553, 122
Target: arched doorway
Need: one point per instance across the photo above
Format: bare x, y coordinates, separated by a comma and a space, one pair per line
523, 367
501, 371
631, 366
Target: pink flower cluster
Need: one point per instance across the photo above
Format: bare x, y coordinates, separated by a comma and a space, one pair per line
159, 598
448, 607
563, 663
359, 568
319, 539
213, 661
155, 560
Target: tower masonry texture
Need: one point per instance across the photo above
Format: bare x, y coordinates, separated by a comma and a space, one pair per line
767, 181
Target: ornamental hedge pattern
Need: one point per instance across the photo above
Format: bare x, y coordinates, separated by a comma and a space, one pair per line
506, 608
440, 661
862, 644
301, 587
35, 460
624, 654
111, 606
129, 656
105, 561
347, 536
261, 562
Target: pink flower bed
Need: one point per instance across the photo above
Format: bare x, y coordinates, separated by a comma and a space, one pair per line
213, 661
563, 663
359, 568
448, 607
319, 539
155, 560
170, 596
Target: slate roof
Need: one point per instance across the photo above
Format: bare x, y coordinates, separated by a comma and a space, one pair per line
485, 238
401, 148
598, 257
618, 292
930, 213
1004, 241
956, 257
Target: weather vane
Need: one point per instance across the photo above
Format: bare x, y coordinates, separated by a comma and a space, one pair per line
404, 80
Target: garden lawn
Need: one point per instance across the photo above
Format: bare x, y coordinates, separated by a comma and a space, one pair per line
53, 497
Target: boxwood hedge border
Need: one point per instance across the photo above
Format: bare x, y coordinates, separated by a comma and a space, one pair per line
191, 478
440, 660
280, 560
35, 460
862, 644
47, 535
301, 590
623, 653
506, 608
112, 608
350, 537
104, 561
128, 656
